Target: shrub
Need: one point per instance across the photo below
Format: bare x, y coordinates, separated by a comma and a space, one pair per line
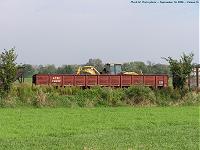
68, 90
88, 97
41, 99
113, 97
8, 70
57, 100
139, 95
8, 101
99, 96
49, 96
25, 94
167, 96
191, 98
180, 69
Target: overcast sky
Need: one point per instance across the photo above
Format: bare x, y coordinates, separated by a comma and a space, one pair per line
72, 31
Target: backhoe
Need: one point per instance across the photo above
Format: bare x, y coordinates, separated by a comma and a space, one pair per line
113, 69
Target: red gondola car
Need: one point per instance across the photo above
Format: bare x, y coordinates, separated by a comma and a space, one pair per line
156, 81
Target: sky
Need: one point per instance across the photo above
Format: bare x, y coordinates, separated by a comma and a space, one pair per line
116, 31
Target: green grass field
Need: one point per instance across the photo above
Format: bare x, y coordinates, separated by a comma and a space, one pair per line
100, 128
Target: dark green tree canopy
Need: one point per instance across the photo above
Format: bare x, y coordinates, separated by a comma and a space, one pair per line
48, 69
180, 69
8, 69
97, 63
67, 69
29, 70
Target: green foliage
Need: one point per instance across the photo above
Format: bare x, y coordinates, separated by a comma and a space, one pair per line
97, 63
157, 68
136, 66
98, 96
139, 95
88, 97
114, 97
190, 99
25, 93
149, 68
29, 70
67, 69
8, 70
167, 96
180, 69
49, 96
48, 69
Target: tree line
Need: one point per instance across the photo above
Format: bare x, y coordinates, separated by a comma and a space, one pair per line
179, 69
136, 66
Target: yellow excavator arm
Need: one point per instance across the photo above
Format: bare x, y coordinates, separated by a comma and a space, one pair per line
90, 70
108, 69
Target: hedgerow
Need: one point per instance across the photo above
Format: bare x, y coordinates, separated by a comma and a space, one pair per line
49, 96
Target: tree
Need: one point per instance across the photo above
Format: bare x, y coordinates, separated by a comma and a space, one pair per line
128, 67
48, 69
180, 69
97, 63
28, 70
67, 69
157, 68
8, 69
136, 66
140, 66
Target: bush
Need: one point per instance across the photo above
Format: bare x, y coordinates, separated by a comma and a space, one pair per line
40, 99
190, 99
25, 94
99, 96
67, 90
8, 101
88, 97
166, 96
57, 100
8, 70
113, 97
49, 96
139, 95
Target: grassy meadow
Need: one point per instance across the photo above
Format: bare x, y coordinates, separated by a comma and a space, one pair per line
127, 128
134, 118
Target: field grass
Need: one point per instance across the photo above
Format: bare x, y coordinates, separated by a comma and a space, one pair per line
100, 128
28, 80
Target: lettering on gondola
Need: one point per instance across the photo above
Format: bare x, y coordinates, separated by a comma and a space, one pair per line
56, 79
